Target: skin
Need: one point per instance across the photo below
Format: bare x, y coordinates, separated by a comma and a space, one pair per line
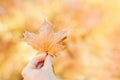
39, 68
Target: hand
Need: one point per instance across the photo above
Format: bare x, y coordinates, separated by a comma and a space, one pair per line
40, 68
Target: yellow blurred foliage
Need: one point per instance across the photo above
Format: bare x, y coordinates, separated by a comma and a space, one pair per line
93, 46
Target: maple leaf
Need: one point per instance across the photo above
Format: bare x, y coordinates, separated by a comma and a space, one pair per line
46, 40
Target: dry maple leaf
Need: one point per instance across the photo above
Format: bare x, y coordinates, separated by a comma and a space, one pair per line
46, 40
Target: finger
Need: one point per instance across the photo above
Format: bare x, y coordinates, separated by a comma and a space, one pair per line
48, 62
40, 65
34, 62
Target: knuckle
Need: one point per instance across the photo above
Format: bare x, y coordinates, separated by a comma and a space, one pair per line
24, 71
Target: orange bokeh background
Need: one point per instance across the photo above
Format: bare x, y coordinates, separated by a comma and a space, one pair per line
92, 48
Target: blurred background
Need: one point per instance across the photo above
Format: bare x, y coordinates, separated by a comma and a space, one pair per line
93, 46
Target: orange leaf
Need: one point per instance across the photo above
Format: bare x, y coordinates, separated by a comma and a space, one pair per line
46, 40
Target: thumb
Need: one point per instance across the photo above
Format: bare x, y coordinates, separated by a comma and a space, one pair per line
48, 62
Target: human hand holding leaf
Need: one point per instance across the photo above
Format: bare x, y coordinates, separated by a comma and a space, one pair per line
46, 40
